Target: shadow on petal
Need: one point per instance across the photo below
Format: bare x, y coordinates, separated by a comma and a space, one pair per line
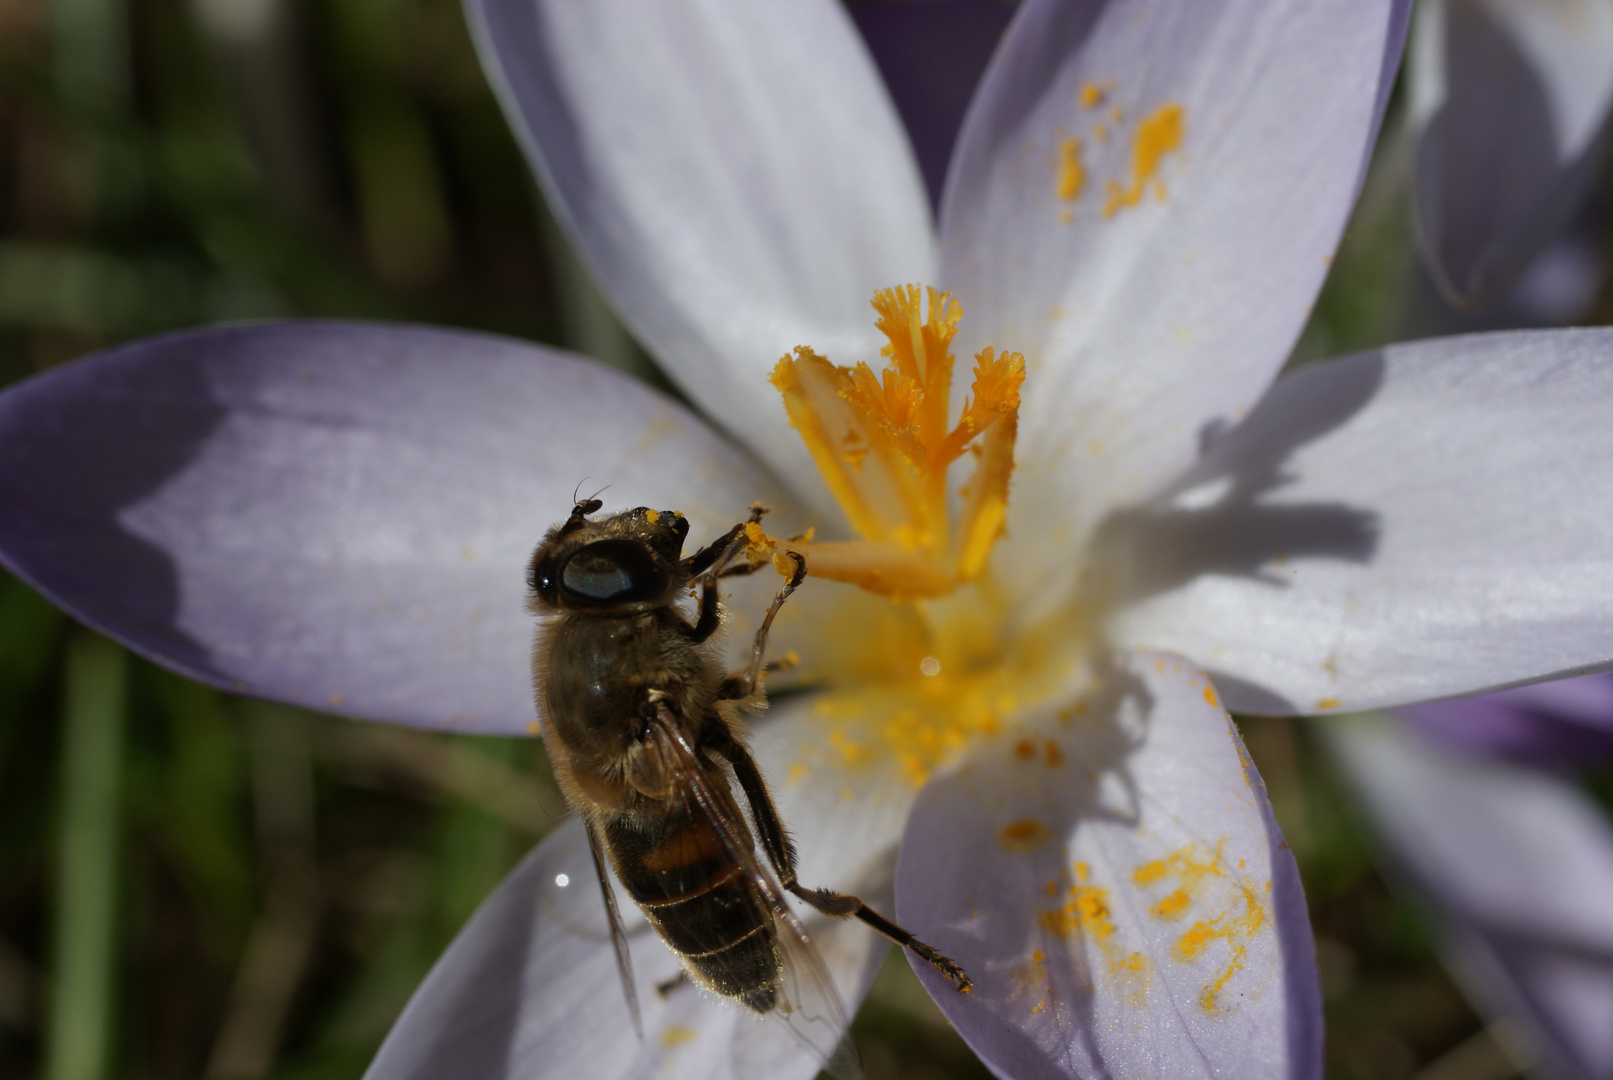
1219, 518
81, 446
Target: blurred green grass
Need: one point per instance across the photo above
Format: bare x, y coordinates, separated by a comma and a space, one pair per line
282, 881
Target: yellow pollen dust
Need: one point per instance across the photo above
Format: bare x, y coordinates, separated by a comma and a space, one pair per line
677, 1035
1159, 133
1230, 912
883, 443
1087, 914
1024, 836
1072, 175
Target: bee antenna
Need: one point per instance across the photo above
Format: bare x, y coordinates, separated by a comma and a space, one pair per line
581, 508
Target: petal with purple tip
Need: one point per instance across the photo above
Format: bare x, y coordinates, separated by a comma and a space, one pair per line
336, 514
1509, 101
1517, 866
1564, 724
1127, 906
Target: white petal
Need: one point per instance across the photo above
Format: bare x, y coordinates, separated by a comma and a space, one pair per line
1509, 101
529, 991
1127, 906
1518, 867
1429, 520
733, 173
1148, 330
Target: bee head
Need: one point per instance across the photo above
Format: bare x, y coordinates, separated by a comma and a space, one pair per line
620, 565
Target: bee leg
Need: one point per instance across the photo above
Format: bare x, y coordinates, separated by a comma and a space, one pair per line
841, 905
781, 853
740, 687
666, 988
714, 561
717, 551
702, 560
783, 663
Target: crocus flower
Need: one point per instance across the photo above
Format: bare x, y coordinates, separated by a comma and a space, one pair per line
1513, 863
1142, 203
1509, 109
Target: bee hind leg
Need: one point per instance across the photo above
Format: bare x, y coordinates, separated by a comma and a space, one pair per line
781, 853
843, 906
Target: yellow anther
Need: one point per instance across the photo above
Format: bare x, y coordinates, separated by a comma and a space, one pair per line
883, 445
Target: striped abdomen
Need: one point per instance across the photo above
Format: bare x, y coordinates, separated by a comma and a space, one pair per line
697, 896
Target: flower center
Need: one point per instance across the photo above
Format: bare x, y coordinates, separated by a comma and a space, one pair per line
913, 684
884, 446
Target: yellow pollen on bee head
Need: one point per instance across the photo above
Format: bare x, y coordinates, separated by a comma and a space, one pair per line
884, 441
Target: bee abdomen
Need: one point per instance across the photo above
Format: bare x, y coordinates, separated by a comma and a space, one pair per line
698, 897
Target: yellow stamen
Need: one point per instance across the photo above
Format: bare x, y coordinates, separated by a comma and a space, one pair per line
883, 445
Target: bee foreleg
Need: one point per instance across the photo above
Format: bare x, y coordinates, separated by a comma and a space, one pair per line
740, 687
781, 852
718, 551
706, 557
714, 561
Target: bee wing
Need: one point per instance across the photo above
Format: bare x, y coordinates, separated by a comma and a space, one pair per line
618, 936
808, 1003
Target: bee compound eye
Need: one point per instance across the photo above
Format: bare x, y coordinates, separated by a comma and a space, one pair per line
613, 572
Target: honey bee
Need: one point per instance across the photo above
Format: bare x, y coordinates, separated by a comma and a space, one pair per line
643, 736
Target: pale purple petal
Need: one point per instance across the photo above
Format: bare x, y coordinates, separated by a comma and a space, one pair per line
1510, 100
529, 990
1150, 328
1429, 520
733, 173
336, 514
1126, 905
1566, 724
847, 824
1517, 867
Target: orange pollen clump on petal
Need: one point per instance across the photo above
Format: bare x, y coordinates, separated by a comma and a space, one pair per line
1158, 134
1072, 175
883, 443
